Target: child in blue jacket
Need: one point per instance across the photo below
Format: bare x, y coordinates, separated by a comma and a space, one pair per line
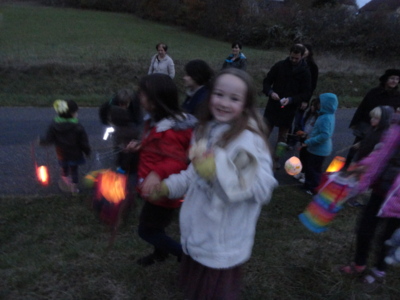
319, 144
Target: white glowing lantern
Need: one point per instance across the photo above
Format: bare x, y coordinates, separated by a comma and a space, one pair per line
293, 166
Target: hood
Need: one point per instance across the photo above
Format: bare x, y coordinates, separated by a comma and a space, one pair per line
329, 103
63, 124
387, 113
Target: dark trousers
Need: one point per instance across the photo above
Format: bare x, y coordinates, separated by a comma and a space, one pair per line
313, 171
352, 152
153, 221
73, 170
367, 226
282, 136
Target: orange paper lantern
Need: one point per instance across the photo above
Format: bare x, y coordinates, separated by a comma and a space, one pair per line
112, 186
293, 166
42, 175
336, 164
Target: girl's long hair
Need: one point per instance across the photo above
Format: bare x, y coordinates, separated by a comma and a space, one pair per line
162, 94
250, 119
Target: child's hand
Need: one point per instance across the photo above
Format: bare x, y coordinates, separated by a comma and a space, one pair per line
356, 169
301, 133
133, 146
159, 192
150, 183
205, 166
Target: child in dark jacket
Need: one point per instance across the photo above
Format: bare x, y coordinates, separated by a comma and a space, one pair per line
123, 112
70, 140
380, 121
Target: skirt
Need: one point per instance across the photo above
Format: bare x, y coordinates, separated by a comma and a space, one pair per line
201, 282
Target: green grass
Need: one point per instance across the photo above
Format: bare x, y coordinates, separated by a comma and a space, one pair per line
48, 53
55, 248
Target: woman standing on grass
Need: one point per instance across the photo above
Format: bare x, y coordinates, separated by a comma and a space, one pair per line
237, 59
385, 94
162, 62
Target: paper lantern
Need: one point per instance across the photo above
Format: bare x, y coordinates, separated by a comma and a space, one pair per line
293, 166
42, 175
112, 186
336, 164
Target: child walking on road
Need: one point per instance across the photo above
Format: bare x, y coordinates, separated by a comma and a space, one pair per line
71, 143
225, 186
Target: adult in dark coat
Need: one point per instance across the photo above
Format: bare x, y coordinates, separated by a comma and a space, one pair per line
385, 94
196, 80
287, 85
308, 57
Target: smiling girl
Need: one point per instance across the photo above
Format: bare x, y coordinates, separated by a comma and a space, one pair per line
225, 186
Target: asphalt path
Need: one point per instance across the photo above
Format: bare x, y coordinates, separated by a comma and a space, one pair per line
20, 128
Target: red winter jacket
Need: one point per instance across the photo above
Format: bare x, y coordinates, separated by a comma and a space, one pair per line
164, 150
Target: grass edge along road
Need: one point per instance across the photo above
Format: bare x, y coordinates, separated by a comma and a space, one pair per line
55, 248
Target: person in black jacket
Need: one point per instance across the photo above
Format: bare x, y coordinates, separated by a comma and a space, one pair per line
70, 140
385, 94
196, 80
124, 114
288, 84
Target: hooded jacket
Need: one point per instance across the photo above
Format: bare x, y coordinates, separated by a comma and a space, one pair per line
69, 137
320, 141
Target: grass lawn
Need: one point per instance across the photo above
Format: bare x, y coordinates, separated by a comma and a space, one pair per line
48, 53
55, 248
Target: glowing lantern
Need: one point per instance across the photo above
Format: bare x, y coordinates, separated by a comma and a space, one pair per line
293, 166
336, 164
42, 175
112, 186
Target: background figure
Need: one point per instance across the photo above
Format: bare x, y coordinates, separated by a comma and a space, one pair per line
379, 123
288, 84
319, 144
161, 62
237, 59
379, 171
197, 77
385, 94
306, 127
163, 151
70, 140
123, 112
309, 59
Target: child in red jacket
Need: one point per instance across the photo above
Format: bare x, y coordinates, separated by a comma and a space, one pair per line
163, 151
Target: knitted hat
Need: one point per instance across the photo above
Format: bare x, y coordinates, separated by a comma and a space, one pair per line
65, 108
388, 73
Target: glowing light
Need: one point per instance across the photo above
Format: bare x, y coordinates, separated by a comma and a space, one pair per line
293, 166
107, 133
336, 164
112, 186
42, 175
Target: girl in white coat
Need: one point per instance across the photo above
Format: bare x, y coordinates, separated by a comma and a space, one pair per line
225, 186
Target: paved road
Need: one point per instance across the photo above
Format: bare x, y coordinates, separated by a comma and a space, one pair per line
21, 126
